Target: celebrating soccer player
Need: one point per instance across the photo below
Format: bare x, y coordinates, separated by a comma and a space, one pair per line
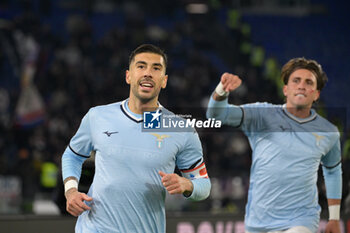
134, 168
288, 142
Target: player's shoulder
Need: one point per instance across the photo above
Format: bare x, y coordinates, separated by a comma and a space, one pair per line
106, 108
261, 108
167, 111
325, 125
261, 105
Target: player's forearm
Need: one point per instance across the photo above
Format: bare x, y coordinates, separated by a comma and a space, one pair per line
201, 189
333, 201
188, 187
217, 109
216, 106
71, 164
228, 114
333, 181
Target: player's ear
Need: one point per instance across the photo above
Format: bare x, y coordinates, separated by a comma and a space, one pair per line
285, 90
127, 77
165, 81
317, 95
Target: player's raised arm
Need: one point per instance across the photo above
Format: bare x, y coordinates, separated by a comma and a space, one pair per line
218, 106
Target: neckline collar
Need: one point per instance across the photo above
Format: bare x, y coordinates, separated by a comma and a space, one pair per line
312, 116
134, 116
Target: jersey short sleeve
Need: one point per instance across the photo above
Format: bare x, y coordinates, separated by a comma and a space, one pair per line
81, 142
333, 157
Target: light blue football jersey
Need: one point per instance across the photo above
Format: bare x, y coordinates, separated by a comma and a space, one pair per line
286, 154
127, 192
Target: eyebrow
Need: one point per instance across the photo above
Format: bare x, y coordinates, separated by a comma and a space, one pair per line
306, 79
145, 63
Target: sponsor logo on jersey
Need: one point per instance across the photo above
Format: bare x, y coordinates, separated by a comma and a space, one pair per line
110, 133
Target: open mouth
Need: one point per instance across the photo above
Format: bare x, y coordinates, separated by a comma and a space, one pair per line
146, 85
300, 95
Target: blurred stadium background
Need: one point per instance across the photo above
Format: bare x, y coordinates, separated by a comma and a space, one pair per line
58, 58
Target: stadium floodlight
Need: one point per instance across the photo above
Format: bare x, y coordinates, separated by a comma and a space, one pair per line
197, 8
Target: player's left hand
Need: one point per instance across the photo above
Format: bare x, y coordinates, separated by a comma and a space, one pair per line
176, 184
333, 226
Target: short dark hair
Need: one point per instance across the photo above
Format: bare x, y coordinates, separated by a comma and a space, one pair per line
303, 63
148, 48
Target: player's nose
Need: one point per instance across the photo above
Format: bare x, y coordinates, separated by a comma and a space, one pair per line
148, 73
301, 85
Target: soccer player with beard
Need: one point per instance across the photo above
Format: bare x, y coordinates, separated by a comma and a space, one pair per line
133, 168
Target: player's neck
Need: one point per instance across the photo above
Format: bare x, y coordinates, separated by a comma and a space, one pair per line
300, 112
137, 106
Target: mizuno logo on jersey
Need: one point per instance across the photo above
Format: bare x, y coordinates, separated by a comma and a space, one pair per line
282, 128
110, 133
318, 138
159, 139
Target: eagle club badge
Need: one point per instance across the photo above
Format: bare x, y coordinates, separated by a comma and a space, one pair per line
318, 138
159, 139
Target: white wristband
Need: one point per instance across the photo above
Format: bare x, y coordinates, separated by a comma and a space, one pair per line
70, 184
334, 212
220, 90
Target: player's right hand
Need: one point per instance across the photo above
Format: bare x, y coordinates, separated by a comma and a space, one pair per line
230, 82
75, 202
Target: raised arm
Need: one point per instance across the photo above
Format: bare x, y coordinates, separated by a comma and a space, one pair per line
218, 106
228, 82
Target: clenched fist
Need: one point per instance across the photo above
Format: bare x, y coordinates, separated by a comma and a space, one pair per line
230, 82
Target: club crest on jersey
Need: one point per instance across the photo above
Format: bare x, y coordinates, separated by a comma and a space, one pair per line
152, 120
160, 139
318, 138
